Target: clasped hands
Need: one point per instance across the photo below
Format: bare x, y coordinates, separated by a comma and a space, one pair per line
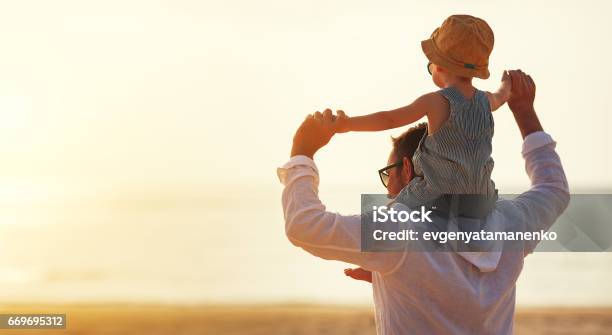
316, 131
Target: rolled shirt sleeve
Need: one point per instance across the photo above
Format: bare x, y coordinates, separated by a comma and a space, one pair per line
324, 234
549, 194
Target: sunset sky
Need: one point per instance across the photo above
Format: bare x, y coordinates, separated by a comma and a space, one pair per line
125, 93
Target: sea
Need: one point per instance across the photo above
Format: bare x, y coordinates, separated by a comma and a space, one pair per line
216, 247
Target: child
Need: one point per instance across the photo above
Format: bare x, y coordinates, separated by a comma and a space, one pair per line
454, 157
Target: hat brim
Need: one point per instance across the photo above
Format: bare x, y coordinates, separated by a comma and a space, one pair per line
434, 55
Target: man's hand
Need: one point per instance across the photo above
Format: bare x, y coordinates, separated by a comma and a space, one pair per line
313, 134
521, 103
359, 274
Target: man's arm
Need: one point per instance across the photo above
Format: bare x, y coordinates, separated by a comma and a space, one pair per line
322, 233
549, 193
307, 223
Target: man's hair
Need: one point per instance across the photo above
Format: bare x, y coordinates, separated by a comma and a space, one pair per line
406, 144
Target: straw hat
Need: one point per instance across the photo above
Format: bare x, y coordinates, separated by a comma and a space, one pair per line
462, 45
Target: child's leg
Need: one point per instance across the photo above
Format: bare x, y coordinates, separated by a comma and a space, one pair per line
359, 274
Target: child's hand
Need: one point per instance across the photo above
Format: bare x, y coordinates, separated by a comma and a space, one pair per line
341, 122
506, 77
499, 98
359, 274
506, 86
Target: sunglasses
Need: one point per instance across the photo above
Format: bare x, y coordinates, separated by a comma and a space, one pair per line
429, 68
384, 172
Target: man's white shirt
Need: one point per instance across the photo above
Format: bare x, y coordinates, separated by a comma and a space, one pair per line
431, 292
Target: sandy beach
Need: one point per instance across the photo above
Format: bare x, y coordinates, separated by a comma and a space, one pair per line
276, 319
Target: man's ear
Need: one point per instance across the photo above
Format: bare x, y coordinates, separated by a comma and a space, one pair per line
406, 170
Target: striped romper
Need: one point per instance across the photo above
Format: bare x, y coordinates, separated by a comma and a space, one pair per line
456, 159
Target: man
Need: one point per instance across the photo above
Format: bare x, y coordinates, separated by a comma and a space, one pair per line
429, 292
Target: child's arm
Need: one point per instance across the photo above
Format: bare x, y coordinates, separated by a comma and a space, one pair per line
499, 98
389, 119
